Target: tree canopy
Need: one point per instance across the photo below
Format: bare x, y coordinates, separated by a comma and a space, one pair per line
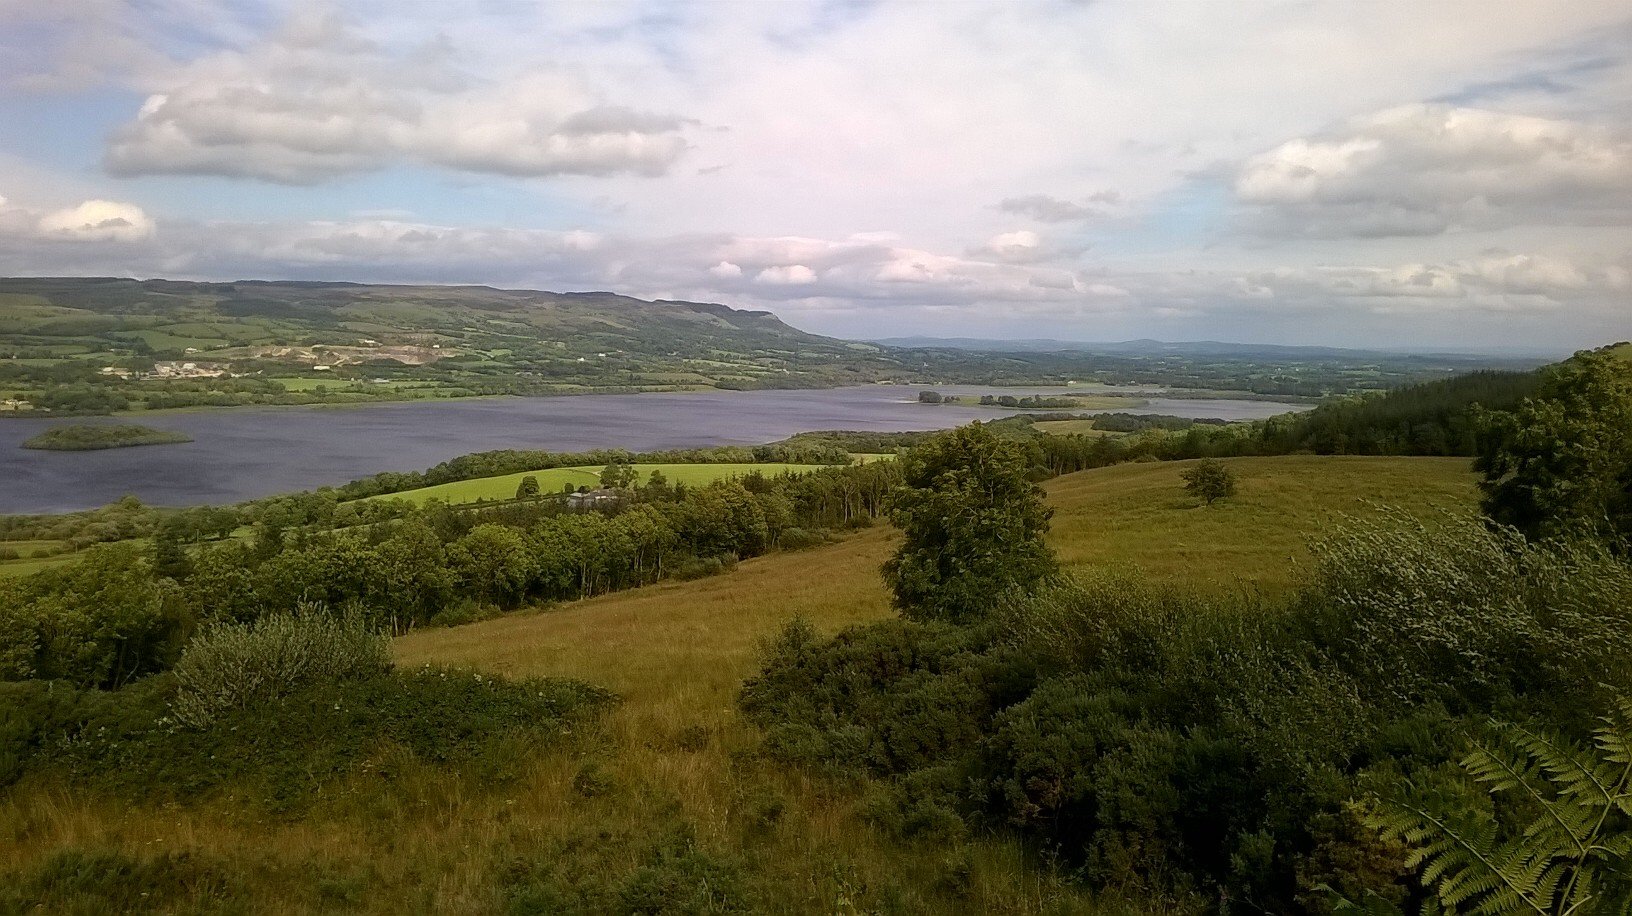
1562, 461
974, 524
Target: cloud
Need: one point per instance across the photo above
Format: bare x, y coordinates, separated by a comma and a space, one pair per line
1023, 246
1048, 209
97, 220
786, 275
1426, 169
857, 287
318, 101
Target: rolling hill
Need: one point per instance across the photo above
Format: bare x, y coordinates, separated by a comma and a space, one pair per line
88, 345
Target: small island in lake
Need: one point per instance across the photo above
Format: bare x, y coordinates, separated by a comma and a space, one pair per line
82, 437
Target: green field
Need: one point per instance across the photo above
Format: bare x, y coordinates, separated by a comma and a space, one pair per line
554, 479
676, 756
30, 565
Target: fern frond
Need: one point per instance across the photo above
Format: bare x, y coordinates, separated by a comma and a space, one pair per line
1459, 865
1570, 769
1508, 768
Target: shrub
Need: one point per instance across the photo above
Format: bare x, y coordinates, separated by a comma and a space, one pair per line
801, 539
239, 666
466, 611
102, 622
1471, 614
1209, 481
106, 881
678, 877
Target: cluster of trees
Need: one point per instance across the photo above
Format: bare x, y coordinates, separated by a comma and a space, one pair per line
1028, 402
1333, 751
1139, 422
125, 611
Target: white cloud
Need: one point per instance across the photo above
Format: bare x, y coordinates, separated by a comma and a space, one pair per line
786, 275
97, 220
1425, 169
319, 101
725, 270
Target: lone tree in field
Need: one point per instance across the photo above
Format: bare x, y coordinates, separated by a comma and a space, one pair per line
1563, 461
1209, 481
528, 488
974, 525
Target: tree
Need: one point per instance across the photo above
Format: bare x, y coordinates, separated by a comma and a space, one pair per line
974, 525
618, 474
1563, 460
528, 488
930, 397
169, 557
1209, 480
494, 562
657, 488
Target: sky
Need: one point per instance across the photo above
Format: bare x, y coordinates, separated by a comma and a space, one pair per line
1423, 174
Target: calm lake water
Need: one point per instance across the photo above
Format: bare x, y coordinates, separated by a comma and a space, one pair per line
246, 453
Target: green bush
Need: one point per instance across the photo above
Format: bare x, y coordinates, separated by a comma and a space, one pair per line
96, 882
239, 666
801, 539
1472, 615
285, 752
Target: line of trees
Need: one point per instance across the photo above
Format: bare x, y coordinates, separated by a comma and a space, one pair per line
125, 611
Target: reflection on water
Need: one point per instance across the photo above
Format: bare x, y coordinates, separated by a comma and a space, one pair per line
250, 452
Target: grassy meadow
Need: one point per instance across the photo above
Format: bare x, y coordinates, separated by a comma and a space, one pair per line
669, 782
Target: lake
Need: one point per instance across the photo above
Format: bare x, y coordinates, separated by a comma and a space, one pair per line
245, 453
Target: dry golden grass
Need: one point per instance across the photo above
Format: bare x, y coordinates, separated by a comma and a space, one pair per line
675, 752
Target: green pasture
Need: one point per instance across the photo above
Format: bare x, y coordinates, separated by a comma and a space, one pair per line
554, 479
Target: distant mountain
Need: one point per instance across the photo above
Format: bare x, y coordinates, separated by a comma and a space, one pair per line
476, 333
1147, 347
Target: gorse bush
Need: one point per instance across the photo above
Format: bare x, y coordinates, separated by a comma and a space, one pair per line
239, 666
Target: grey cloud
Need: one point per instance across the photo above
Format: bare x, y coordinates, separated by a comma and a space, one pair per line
1048, 209
616, 119
1428, 169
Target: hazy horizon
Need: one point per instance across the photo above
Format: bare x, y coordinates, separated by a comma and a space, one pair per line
1447, 176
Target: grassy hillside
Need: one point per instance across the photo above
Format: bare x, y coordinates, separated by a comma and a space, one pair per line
675, 758
174, 344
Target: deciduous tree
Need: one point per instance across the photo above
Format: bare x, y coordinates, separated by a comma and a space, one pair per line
974, 525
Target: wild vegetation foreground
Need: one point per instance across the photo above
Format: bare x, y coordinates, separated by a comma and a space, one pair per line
669, 782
